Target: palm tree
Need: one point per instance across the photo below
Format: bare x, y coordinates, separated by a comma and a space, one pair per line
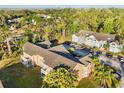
8, 45
104, 75
5, 36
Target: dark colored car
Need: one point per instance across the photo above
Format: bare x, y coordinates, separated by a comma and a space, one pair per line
122, 63
109, 55
98, 52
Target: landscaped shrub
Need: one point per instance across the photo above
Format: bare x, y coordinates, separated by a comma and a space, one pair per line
60, 78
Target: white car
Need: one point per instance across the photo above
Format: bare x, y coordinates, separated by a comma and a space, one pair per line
122, 59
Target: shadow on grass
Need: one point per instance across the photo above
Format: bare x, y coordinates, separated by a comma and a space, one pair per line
18, 76
88, 83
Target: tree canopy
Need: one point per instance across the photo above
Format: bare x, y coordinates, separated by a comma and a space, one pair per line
60, 24
60, 78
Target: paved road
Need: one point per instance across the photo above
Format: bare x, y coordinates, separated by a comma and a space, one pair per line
122, 79
114, 62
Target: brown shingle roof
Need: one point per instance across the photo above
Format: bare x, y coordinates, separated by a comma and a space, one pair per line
85, 60
44, 44
51, 59
64, 52
99, 36
61, 50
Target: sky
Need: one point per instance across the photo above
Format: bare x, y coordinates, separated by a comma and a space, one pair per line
59, 6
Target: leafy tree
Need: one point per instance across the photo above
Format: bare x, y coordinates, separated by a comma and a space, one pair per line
61, 25
71, 50
60, 78
109, 25
6, 36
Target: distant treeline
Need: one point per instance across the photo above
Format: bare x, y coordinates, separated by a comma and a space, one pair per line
56, 23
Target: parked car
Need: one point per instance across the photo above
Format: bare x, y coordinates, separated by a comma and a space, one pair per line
109, 55
120, 58
122, 64
98, 52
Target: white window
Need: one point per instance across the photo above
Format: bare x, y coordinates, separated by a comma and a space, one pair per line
44, 69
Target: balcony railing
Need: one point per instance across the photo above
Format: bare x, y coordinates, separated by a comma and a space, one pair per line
44, 71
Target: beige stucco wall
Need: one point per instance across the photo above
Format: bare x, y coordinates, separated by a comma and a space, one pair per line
49, 69
38, 60
83, 71
79, 69
26, 55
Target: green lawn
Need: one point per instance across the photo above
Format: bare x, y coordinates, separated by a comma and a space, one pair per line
18, 76
14, 75
88, 83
